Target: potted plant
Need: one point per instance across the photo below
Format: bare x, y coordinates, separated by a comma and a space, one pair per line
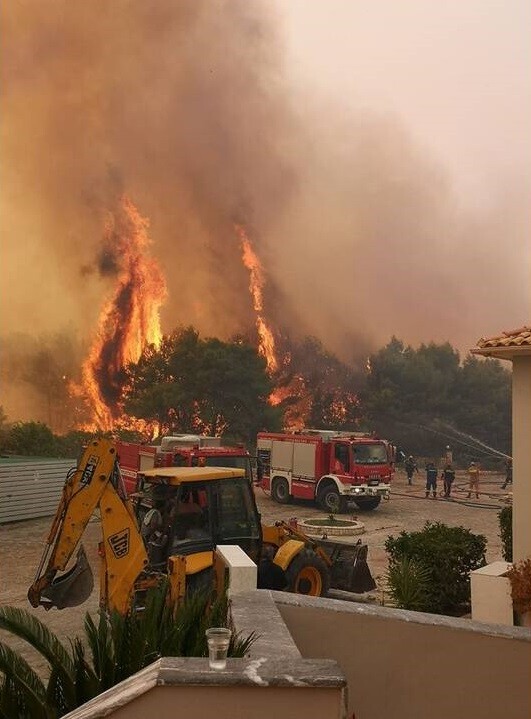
520, 579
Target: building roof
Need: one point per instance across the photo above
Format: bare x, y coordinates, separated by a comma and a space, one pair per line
506, 345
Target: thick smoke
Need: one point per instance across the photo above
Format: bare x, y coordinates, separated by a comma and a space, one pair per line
185, 107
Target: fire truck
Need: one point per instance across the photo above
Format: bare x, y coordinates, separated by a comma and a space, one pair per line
182, 450
332, 468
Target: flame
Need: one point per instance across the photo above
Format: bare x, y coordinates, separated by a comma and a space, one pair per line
129, 320
266, 340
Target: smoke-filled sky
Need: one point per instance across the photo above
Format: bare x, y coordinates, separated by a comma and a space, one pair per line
377, 151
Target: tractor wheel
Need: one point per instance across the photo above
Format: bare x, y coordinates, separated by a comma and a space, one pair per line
368, 503
308, 574
280, 490
331, 501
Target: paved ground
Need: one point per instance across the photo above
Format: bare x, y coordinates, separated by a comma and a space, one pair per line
21, 544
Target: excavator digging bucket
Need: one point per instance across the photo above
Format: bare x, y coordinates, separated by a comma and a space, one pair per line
350, 571
72, 588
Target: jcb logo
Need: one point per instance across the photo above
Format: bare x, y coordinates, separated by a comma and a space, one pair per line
120, 543
89, 470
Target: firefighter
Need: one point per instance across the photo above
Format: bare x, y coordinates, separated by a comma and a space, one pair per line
431, 480
473, 480
508, 473
448, 476
410, 466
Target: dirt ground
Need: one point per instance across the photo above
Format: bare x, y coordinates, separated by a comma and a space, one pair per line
21, 544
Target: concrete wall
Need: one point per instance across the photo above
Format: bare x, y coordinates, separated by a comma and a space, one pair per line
521, 457
199, 702
408, 665
262, 688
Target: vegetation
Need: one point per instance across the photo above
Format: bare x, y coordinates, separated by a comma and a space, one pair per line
505, 519
209, 386
117, 648
520, 578
418, 398
408, 583
447, 555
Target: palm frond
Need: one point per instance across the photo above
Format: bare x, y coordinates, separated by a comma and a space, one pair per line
86, 681
100, 642
239, 645
26, 626
22, 686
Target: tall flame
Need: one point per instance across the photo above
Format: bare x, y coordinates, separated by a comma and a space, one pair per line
130, 320
266, 340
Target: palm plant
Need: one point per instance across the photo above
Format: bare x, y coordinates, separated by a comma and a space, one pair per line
71, 681
118, 645
408, 582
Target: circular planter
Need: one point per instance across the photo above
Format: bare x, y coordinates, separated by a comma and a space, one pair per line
318, 526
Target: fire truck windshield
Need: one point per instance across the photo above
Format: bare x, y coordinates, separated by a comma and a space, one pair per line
230, 461
370, 454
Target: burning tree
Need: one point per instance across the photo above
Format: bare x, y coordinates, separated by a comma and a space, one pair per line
201, 385
315, 389
129, 321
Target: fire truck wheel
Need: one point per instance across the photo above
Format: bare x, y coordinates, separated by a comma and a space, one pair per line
330, 500
368, 503
280, 490
308, 574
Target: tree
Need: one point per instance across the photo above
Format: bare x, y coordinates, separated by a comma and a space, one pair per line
316, 388
417, 397
483, 402
32, 439
190, 384
4, 430
46, 364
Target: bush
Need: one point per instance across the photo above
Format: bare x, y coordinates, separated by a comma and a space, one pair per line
505, 520
448, 554
31, 439
520, 578
408, 583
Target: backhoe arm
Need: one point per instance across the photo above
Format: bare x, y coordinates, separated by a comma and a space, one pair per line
82, 493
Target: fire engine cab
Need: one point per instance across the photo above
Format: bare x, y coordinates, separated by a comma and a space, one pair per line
182, 450
332, 468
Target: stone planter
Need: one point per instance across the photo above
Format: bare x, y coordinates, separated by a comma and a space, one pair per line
319, 526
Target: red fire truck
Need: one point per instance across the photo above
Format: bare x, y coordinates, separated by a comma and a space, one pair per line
183, 450
330, 467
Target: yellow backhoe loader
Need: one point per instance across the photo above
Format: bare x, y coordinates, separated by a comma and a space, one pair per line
170, 527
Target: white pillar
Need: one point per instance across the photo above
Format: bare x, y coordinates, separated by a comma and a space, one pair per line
241, 568
521, 457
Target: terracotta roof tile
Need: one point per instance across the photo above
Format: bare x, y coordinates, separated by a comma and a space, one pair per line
512, 338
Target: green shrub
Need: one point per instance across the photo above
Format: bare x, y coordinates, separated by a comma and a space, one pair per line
448, 554
505, 520
408, 583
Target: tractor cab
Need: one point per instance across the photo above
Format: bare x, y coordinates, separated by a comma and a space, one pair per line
186, 510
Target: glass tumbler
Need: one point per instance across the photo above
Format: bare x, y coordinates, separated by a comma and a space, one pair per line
218, 639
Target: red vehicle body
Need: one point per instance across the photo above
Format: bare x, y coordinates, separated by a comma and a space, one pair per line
179, 451
330, 467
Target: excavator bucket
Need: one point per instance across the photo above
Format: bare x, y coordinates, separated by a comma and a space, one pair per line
72, 588
349, 571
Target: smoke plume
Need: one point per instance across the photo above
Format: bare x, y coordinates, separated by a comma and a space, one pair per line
185, 107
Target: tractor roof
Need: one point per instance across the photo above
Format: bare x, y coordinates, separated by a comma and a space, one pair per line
179, 475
